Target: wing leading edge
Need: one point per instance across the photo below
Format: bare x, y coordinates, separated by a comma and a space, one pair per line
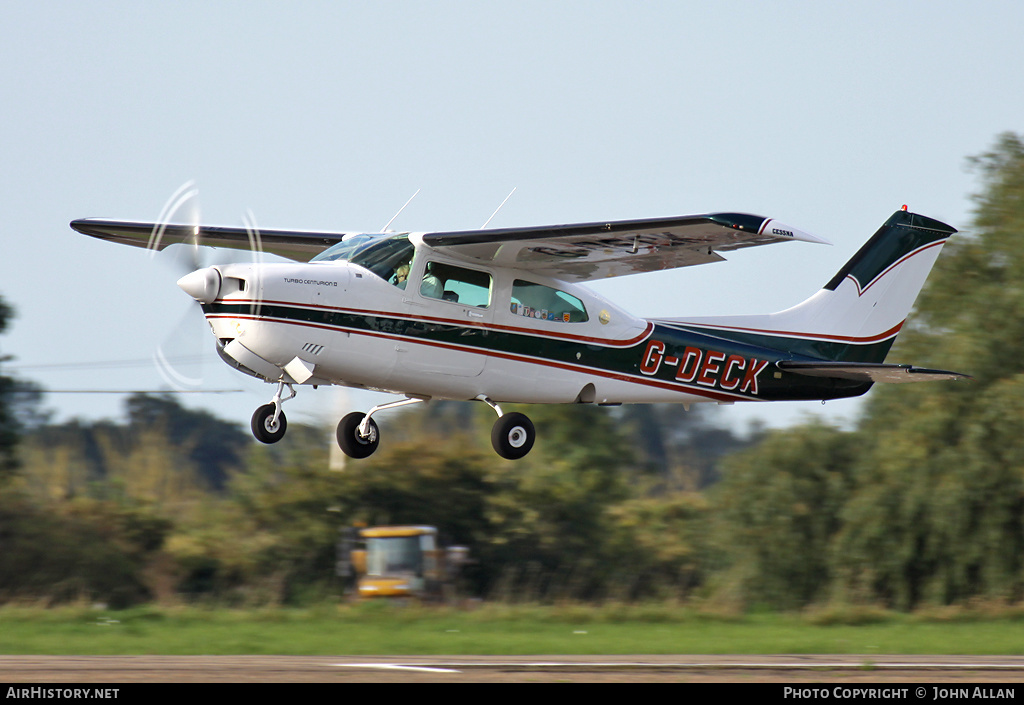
297, 245
574, 252
583, 251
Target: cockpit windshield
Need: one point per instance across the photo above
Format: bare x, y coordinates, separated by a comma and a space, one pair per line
381, 254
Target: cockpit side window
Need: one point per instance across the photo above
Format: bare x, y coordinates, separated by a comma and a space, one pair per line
456, 284
538, 301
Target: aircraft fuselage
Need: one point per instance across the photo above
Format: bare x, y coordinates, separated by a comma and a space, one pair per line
353, 328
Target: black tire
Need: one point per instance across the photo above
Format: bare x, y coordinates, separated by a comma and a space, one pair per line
263, 426
349, 440
513, 435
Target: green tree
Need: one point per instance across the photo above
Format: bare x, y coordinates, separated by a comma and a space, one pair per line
83, 549
19, 400
937, 513
778, 507
216, 447
662, 546
682, 446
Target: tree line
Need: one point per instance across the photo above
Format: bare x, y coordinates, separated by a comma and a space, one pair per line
920, 503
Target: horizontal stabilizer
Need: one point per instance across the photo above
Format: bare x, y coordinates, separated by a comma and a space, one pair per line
868, 371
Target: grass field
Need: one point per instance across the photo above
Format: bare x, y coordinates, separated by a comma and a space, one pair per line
500, 629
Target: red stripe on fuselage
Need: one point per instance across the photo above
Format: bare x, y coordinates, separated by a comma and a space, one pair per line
622, 377
607, 342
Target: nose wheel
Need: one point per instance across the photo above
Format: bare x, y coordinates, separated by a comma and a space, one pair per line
265, 427
269, 422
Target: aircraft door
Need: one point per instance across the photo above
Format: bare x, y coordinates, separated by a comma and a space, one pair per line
460, 304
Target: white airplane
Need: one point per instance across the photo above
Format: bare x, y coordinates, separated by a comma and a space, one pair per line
501, 316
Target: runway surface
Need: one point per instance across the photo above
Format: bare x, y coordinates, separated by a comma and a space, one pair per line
495, 669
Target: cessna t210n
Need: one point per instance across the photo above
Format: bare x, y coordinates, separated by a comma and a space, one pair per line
501, 316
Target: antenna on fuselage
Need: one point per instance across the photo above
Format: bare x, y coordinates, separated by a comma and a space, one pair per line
499, 207
384, 229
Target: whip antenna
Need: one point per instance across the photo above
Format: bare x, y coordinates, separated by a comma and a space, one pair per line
384, 229
499, 208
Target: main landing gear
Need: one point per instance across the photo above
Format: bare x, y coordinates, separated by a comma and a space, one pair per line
358, 435
512, 435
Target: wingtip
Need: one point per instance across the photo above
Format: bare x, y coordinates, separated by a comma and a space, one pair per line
774, 227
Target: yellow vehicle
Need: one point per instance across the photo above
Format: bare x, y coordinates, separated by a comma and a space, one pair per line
405, 561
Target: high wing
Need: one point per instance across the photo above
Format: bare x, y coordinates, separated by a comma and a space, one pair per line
297, 245
575, 252
584, 251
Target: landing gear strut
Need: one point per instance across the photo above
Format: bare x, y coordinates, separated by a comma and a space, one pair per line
358, 435
513, 434
351, 442
269, 422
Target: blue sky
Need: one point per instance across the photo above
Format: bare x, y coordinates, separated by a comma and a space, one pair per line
329, 115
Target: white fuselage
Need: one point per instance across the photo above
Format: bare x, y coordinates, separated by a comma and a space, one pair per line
338, 323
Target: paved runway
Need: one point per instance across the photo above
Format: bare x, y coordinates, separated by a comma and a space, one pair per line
336, 669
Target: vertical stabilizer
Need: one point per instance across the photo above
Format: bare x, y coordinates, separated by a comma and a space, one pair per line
858, 313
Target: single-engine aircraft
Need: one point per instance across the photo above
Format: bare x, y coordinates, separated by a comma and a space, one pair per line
501, 316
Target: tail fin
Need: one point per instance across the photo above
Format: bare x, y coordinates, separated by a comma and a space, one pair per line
856, 316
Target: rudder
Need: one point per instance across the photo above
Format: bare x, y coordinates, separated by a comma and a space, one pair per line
857, 315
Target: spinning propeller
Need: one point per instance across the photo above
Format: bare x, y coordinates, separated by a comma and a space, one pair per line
187, 346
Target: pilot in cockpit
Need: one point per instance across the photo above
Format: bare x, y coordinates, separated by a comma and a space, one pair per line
401, 277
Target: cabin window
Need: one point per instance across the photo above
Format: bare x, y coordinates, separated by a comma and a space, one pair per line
456, 284
539, 301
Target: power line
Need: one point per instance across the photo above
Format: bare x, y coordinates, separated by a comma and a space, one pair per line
141, 391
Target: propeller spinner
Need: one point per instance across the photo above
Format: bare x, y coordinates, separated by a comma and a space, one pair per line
203, 285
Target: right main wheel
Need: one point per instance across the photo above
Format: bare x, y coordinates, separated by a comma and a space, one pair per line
513, 435
349, 440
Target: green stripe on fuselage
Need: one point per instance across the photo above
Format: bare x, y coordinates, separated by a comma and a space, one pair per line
715, 374
803, 348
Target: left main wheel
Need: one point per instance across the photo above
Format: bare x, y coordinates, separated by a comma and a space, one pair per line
349, 440
264, 428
